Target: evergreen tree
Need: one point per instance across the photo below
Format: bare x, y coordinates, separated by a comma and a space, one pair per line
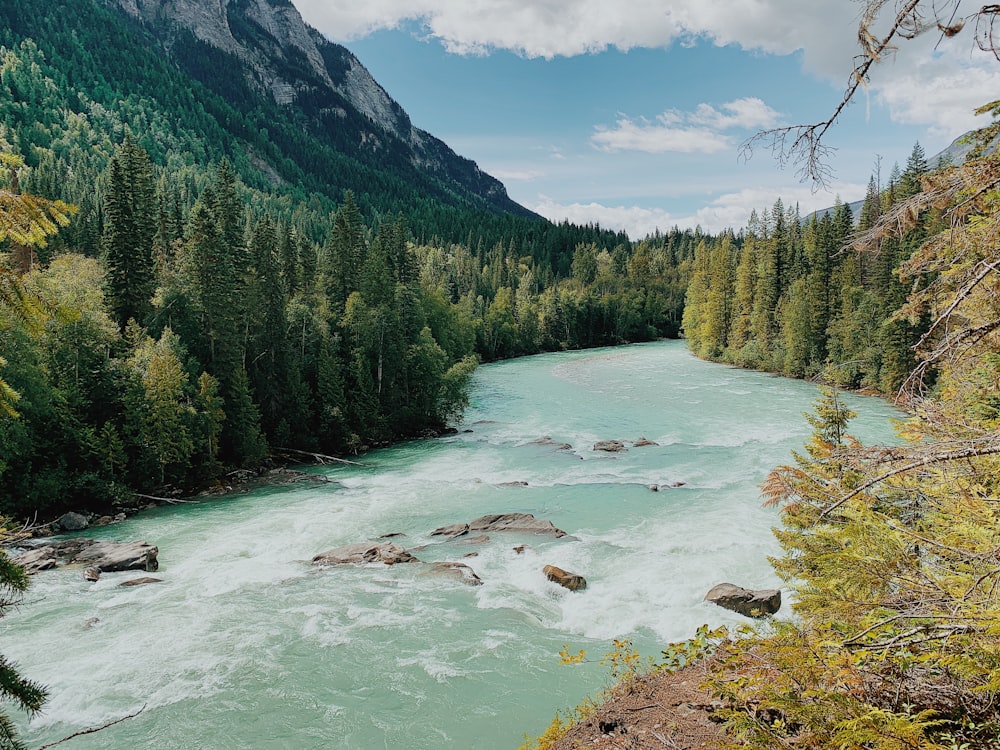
130, 226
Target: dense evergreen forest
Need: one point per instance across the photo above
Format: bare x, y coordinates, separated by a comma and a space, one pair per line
192, 322
793, 298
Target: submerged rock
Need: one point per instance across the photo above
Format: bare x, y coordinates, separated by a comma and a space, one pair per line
361, 553
745, 601
548, 441
571, 581
140, 581
481, 539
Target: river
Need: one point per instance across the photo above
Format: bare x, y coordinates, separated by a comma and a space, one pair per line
246, 645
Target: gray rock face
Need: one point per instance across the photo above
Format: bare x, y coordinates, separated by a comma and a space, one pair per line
284, 58
571, 581
643, 443
362, 553
73, 522
609, 446
745, 601
103, 557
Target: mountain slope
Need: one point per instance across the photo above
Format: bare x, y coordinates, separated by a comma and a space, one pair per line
282, 58
244, 79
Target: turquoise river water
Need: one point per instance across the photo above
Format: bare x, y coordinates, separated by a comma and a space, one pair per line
246, 645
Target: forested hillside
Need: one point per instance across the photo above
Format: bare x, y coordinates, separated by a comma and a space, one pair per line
215, 296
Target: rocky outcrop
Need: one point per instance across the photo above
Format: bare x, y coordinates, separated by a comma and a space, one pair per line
362, 553
458, 570
102, 556
571, 581
610, 446
643, 443
745, 601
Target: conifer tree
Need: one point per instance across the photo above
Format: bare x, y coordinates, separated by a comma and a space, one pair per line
130, 225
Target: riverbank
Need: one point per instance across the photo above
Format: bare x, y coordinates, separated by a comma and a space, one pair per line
655, 710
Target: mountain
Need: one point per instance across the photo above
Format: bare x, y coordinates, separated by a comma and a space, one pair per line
247, 80
267, 45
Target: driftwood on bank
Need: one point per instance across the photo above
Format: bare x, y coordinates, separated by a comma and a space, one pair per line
319, 458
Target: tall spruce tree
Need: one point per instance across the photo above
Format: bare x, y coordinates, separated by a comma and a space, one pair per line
130, 227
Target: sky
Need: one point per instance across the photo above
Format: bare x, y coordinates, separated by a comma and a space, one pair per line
631, 113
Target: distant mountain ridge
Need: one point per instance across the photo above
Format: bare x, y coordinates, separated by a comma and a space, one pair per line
272, 52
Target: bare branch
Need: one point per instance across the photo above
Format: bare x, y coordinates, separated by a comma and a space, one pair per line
94, 729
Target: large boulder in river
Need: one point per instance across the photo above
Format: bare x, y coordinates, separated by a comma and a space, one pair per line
102, 556
571, 581
361, 553
112, 556
745, 601
523, 522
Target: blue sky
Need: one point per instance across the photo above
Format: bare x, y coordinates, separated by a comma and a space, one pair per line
632, 114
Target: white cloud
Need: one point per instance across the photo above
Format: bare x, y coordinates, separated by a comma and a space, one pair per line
700, 131
549, 28
934, 90
517, 175
651, 138
727, 211
940, 91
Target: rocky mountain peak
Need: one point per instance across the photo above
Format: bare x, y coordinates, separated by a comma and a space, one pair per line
283, 58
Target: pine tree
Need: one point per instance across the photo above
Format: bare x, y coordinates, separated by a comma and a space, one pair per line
130, 211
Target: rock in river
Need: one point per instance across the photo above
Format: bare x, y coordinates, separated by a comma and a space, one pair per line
365, 552
102, 556
571, 581
458, 570
609, 446
523, 522
746, 602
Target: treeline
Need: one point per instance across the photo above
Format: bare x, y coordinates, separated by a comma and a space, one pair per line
790, 298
